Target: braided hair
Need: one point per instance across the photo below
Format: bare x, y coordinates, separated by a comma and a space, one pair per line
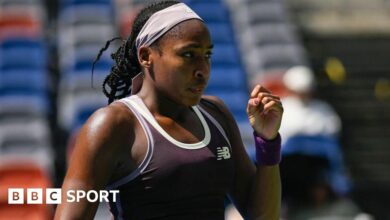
117, 84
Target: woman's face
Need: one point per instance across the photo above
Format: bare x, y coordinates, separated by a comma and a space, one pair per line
181, 64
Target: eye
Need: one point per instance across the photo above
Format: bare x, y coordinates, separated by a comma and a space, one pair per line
208, 55
188, 54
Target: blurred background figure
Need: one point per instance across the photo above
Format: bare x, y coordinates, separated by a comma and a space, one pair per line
304, 113
314, 181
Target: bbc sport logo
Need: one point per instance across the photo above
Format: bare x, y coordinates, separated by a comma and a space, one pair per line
54, 196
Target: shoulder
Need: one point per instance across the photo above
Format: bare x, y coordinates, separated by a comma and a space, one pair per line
214, 105
217, 108
109, 127
114, 115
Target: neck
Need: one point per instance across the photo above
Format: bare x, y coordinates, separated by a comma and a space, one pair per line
161, 105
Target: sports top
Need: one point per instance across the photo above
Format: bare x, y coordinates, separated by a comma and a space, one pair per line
176, 180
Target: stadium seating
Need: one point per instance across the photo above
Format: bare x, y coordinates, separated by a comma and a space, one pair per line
25, 85
81, 35
267, 35
80, 38
26, 153
23, 175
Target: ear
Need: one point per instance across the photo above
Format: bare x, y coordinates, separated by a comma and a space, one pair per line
144, 57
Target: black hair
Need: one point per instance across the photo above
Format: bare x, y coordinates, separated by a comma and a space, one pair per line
117, 84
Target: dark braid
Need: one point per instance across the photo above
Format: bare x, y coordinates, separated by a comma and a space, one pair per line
100, 54
117, 84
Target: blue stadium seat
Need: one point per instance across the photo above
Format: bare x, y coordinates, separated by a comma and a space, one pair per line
85, 1
33, 58
70, 103
24, 104
236, 101
211, 11
70, 3
189, 2
221, 32
226, 79
21, 42
270, 33
84, 13
32, 80
266, 12
26, 2
86, 65
225, 54
83, 114
87, 53
277, 56
22, 52
73, 81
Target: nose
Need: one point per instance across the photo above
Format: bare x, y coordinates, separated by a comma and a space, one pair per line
200, 74
202, 69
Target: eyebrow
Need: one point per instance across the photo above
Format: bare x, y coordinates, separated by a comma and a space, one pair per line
196, 45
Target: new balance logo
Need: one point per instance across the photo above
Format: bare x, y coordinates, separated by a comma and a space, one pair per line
223, 153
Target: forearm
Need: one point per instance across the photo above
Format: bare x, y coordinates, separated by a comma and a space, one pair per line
77, 209
266, 194
266, 188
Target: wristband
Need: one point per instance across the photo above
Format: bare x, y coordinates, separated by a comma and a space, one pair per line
267, 151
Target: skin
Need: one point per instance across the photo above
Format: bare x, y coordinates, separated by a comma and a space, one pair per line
111, 144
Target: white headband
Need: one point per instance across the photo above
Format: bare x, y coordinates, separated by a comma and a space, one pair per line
162, 21
157, 25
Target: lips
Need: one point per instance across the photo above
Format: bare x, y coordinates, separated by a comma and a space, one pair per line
197, 89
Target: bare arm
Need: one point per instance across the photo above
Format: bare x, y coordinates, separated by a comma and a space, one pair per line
96, 155
265, 115
256, 191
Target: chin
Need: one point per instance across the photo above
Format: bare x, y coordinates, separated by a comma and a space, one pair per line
196, 102
191, 101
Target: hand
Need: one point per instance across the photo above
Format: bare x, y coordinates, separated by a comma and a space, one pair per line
264, 112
